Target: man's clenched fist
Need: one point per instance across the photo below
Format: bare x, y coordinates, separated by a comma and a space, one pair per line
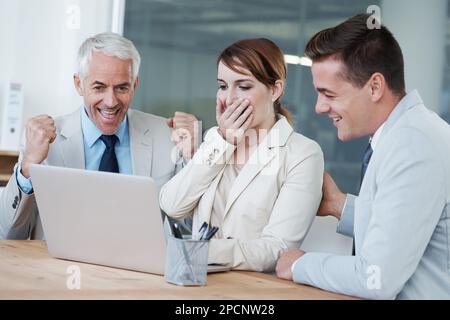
40, 132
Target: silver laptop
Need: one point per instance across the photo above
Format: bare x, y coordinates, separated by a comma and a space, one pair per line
101, 218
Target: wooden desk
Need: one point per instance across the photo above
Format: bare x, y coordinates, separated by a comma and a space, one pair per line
28, 272
7, 161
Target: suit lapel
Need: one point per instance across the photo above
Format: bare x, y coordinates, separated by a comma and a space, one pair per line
207, 205
72, 147
141, 144
258, 160
261, 157
409, 101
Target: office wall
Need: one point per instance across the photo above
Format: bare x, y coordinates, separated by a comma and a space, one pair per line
171, 80
39, 40
423, 41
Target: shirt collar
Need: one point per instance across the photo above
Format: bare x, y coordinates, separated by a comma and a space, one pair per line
91, 133
376, 137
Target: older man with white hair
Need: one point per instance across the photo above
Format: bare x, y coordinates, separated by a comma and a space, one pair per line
104, 134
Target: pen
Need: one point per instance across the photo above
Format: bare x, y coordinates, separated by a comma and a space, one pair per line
202, 230
176, 231
211, 233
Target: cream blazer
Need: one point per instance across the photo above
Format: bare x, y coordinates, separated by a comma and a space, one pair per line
271, 205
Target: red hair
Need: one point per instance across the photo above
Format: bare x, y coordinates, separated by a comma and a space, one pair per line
265, 61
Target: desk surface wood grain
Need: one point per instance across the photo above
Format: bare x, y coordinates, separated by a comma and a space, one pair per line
28, 272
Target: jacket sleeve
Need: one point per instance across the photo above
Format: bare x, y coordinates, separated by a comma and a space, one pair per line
181, 194
345, 225
18, 211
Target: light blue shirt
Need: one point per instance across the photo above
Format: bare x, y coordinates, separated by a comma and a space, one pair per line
94, 149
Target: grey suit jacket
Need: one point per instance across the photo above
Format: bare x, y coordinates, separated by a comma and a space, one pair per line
151, 153
401, 218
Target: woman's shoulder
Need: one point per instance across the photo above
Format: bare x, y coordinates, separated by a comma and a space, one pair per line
301, 149
300, 144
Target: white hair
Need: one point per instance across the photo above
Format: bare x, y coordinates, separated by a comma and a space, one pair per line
110, 44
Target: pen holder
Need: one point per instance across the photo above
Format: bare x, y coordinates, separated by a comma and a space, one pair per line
186, 261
